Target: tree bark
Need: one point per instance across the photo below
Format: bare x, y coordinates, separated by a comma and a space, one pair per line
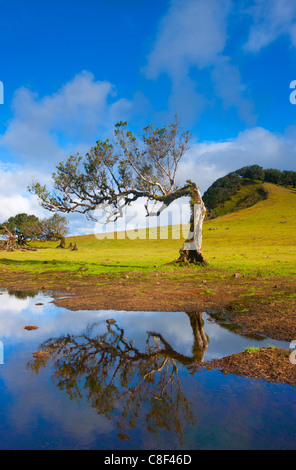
191, 249
11, 243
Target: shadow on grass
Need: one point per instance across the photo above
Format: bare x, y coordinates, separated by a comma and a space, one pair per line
66, 264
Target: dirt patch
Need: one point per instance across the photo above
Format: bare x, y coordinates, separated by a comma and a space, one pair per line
263, 306
270, 364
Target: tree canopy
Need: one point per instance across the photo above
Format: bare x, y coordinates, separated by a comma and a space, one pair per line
118, 171
26, 227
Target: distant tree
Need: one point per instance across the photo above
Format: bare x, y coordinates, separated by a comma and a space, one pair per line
19, 226
8, 241
273, 176
26, 227
114, 175
222, 190
54, 227
289, 178
252, 172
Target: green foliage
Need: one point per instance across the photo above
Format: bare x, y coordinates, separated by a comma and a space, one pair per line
113, 175
252, 350
22, 226
29, 227
223, 189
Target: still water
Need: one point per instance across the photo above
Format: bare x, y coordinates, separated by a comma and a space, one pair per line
128, 384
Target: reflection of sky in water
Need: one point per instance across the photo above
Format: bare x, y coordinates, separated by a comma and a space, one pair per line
232, 412
174, 326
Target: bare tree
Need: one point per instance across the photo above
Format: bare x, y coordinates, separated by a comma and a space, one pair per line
115, 174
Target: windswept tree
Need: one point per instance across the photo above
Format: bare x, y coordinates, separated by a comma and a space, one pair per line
114, 174
24, 227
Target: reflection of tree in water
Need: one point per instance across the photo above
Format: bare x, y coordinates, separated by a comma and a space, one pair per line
118, 379
20, 294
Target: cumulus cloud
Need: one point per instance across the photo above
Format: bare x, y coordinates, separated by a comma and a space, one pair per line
207, 161
14, 197
228, 85
192, 37
193, 32
80, 112
270, 20
45, 130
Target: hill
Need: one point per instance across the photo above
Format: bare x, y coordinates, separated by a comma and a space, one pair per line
246, 195
243, 188
262, 236
257, 239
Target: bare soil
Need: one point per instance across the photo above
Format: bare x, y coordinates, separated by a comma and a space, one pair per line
270, 364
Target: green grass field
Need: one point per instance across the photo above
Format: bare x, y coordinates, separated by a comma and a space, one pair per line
259, 240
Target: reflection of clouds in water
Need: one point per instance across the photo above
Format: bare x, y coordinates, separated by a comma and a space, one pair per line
51, 320
173, 326
10, 304
54, 321
29, 398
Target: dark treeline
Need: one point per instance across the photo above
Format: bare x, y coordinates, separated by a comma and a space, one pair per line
224, 188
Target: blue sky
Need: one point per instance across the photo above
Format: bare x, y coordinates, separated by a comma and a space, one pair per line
72, 68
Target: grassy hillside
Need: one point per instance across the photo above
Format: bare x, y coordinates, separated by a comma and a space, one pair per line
250, 193
260, 239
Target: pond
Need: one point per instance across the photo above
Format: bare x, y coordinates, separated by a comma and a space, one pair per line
127, 383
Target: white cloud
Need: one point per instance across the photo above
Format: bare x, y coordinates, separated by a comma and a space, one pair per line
46, 130
192, 37
271, 19
192, 33
227, 83
14, 197
205, 162
80, 112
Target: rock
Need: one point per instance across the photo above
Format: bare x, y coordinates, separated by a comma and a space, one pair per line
111, 321
31, 327
39, 303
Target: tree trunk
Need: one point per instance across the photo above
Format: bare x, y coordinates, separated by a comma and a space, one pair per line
11, 243
191, 249
201, 339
